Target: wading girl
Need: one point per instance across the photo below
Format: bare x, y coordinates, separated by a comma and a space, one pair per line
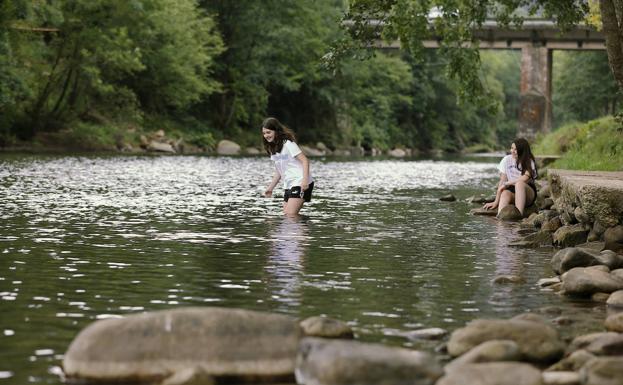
517, 178
291, 165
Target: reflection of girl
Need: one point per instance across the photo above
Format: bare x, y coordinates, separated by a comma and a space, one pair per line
517, 176
290, 164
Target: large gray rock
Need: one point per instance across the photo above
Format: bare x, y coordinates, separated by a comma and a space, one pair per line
613, 237
618, 273
489, 351
494, 373
227, 147
538, 342
586, 281
561, 378
610, 258
510, 213
574, 361
603, 371
160, 147
344, 362
614, 323
583, 341
610, 344
567, 259
572, 235
326, 328
616, 299
213, 341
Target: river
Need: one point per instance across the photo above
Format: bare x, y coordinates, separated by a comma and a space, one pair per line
90, 237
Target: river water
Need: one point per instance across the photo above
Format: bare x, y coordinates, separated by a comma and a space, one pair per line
90, 237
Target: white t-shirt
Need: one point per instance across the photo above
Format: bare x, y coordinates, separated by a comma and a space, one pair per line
290, 168
508, 166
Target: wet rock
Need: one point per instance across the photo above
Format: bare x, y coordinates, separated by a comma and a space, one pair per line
343, 362
603, 268
538, 342
481, 211
493, 373
600, 297
325, 328
552, 224
448, 198
480, 199
556, 287
538, 239
227, 147
535, 220
426, 334
603, 371
582, 342
586, 281
546, 204
614, 323
563, 320
616, 299
609, 344
611, 259
561, 378
567, 218
506, 279
489, 351
544, 282
533, 317
568, 236
598, 228
156, 345
509, 213
567, 259
614, 238
574, 361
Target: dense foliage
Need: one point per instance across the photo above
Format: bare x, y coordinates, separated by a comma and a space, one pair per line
97, 73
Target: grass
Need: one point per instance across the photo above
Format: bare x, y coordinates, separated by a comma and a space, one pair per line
596, 145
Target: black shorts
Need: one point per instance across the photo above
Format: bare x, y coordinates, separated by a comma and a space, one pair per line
532, 186
295, 192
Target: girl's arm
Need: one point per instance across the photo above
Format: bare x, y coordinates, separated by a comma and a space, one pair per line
269, 191
524, 178
303, 159
501, 186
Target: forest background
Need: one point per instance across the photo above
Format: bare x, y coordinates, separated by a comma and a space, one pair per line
92, 74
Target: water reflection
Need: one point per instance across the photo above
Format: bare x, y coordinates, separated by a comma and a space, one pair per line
508, 262
286, 260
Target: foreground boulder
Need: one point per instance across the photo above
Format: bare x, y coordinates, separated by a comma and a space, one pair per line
603, 371
537, 342
587, 280
344, 362
326, 328
496, 373
159, 345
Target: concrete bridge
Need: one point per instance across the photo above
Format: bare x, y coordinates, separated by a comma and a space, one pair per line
536, 39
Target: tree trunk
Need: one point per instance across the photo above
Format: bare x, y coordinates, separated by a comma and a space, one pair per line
612, 30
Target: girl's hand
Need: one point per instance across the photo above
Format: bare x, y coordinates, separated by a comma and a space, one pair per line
490, 205
268, 193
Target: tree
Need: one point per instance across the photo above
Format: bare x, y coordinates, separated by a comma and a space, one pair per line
452, 22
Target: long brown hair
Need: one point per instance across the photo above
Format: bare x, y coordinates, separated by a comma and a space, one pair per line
282, 133
525, 157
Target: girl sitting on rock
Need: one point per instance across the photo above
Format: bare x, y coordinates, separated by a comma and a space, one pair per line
517, 178
290, 164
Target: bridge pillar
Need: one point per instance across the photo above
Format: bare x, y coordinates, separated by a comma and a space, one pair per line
535, 111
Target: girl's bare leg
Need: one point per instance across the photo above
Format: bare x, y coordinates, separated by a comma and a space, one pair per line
292, 207
523, 193
505, 199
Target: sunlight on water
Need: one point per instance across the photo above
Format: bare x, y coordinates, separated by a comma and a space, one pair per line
86, 238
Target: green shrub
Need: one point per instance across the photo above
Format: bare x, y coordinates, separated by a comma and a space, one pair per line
596, 145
